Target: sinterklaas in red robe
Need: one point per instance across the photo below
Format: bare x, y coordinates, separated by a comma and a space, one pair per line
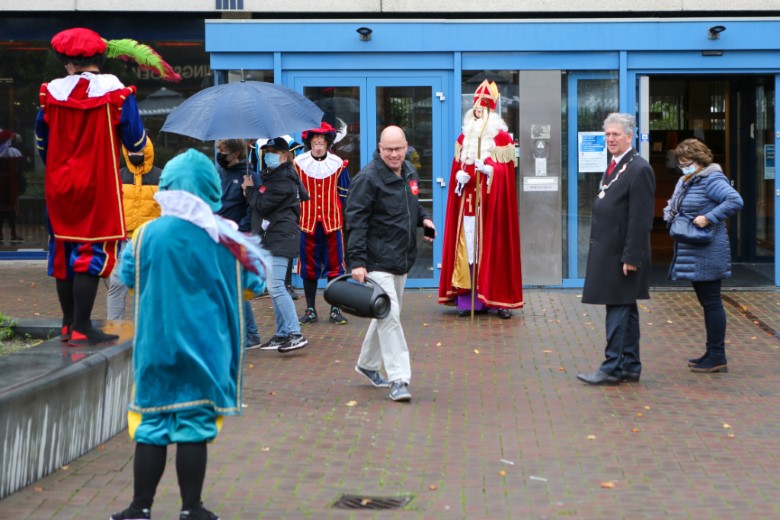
497, 265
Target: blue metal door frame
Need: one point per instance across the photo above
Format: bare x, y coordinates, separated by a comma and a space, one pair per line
777, 184
368, 81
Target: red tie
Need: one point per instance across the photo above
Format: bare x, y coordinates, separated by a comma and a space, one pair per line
611, 167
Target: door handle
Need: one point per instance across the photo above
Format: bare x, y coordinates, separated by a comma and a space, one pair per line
441, 181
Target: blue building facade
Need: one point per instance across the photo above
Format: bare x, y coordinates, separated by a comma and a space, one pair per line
714, 79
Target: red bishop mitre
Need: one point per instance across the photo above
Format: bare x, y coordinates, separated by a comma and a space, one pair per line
78, 42
486, 95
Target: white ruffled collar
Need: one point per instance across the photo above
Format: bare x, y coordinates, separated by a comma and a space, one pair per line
315, 169
99, 85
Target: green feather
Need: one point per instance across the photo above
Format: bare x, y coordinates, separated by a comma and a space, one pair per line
143, 55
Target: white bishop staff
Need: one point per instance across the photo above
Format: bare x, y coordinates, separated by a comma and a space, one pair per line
477, 211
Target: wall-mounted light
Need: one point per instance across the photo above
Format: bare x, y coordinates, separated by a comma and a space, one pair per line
713, 33
365, 33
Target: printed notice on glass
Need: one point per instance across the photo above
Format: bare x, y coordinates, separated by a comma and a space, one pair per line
592, 151
769, 162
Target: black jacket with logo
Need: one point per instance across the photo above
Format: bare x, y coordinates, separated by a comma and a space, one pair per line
382, 216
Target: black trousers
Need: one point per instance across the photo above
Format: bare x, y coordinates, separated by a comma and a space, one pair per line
622, 351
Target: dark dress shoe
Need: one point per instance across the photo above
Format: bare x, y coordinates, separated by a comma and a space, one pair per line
630, 377
598, 378
504, 314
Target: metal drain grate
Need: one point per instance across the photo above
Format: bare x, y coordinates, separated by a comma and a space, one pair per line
367, 502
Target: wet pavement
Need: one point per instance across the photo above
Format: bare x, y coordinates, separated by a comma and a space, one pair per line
498, 428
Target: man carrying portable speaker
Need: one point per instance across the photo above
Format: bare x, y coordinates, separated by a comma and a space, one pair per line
382, 214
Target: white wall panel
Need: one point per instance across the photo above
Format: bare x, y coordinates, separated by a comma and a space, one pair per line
534, 6
41, 5
405, 7
732, 5
315, 6
117, 6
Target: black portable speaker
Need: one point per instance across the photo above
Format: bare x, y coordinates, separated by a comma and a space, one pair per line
365, 300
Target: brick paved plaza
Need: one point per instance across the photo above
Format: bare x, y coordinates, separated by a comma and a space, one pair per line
498, 428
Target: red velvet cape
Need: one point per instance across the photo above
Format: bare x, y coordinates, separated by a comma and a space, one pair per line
83, 185
499, 281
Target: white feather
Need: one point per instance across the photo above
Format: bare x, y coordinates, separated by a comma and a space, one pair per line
342, 131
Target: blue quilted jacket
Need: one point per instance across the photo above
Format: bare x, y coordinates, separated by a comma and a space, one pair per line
711, 195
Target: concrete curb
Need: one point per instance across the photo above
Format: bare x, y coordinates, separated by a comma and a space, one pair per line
59, 402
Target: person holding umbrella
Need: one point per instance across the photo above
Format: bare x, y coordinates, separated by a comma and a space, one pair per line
276, 212
232, 166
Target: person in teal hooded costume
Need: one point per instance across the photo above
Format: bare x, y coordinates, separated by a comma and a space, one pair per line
191, 271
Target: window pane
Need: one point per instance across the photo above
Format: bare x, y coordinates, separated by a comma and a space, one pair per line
410, 109
596, 98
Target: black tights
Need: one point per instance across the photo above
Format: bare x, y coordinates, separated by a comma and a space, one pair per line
310, 291
77, 297
149, 466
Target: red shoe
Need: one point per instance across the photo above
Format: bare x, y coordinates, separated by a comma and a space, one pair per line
65, 333
92, 337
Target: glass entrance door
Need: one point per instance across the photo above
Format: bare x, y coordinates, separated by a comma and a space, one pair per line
361, 107
757, 170
734, 116
592, 96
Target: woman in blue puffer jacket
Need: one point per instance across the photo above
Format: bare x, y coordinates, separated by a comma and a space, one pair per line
703, 192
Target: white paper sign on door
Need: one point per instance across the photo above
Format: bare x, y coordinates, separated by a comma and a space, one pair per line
592, 151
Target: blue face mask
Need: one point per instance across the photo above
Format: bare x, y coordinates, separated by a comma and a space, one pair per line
688, 170
272, 160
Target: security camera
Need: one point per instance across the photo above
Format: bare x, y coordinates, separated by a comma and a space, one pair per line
365, 33
713, 33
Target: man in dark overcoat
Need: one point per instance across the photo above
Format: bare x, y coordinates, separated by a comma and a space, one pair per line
618, 271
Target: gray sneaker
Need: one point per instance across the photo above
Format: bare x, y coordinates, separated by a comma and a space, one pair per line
399, 391
294, 342
374, 376
275, 342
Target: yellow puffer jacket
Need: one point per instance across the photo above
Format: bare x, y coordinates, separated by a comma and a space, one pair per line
139, 184
138, 195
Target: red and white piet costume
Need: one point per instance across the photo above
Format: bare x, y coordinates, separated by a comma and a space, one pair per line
327, 181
